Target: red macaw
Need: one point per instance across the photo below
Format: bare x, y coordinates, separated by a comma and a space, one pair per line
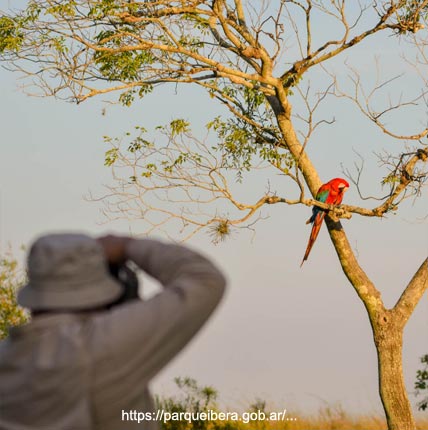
330, 193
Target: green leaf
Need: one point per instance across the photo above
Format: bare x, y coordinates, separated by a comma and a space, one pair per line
11, 35
179, 126
111, 156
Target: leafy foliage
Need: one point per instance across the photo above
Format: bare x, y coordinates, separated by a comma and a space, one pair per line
421, 384
11, 314
11, 37
116, 64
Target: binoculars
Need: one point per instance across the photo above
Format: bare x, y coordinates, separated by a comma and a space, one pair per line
129, 281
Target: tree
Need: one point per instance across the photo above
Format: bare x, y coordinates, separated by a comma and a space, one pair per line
256, 59
10, 280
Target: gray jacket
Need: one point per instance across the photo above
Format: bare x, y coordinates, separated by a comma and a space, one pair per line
81, 371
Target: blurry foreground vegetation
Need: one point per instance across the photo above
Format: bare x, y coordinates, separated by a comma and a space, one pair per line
196, 399
421, 384
11, 278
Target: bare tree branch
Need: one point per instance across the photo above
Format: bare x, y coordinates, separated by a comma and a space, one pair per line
413, 293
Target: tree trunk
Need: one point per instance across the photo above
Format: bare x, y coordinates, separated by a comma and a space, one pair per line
387, 324
393, 393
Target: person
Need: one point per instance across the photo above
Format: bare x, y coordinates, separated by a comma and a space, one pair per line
85, 360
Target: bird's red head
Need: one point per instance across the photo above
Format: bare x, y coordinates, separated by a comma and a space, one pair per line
338, 187
339, 184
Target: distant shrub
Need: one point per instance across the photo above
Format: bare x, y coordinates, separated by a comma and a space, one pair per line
11, 279
421, 383
193, 399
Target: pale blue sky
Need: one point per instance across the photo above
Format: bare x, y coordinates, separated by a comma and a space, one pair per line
295, 337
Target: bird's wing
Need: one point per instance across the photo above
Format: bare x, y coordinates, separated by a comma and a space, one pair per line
323, 193
322, 196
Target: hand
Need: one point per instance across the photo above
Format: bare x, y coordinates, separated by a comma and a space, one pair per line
114, 248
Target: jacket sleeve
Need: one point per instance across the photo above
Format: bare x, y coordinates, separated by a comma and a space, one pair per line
138, 338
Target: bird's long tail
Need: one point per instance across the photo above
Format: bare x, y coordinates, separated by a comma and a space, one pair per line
314, 234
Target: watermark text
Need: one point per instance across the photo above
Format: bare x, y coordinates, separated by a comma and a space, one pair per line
210, 415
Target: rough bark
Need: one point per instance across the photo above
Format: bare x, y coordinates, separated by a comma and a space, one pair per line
392, 390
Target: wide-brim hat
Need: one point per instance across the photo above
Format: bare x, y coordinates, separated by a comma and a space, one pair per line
68, 271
